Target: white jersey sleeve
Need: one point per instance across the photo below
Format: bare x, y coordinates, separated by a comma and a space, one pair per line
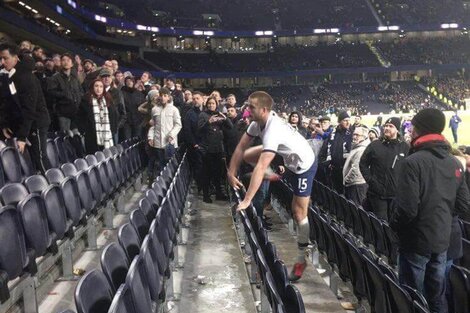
253, 130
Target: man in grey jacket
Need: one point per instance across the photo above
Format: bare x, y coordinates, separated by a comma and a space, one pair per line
354, 183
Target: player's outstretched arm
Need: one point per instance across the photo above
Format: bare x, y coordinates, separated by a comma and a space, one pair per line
236, 160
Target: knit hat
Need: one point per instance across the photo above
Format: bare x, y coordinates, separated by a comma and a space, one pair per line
429, 121
88, 61
395, 121
151, 94
324, 118
343, 115
171, 77
376, 131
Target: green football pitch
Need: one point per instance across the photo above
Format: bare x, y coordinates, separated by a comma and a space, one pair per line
463, 132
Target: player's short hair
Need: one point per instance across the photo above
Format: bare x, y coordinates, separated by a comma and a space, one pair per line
262, 99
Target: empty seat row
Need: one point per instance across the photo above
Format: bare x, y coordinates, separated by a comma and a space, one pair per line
135, 270
45, 212
276, 290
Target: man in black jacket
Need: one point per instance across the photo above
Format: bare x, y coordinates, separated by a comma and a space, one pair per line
65, 91
335, 150
192, 138
379, 165
23, 111
430, 189
178, 97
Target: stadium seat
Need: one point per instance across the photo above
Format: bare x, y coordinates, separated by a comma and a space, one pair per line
91, 160
69, 169
13, 193
122, 301
81, 164
2, 144
129, 240
465, 229
11, 165
107, 152
138, 284
114, 264
140, 223
280, 276
465, 260
368, 236
14, 259
27, 165
95, 184
153, 275
375, 284
93, 293
158, 251
54, 176
293, 301
147, 208
61, 150
36, 228
56, 212
357, 268
73, 206
399, 299
52, 153
460, 287
70, 152
378, 235
36, 183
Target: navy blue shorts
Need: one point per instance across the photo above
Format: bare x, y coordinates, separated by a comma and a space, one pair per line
302, 183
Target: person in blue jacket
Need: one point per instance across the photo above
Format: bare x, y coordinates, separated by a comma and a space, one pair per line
454, 122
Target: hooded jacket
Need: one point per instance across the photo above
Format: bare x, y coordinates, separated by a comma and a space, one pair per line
167, 123
430, 190
379, 165
351, 172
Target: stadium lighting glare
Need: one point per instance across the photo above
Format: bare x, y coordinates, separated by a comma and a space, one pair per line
259, 33
394, 27
72, 3
319, 31
268, 32
21, 3
334, 30
100, 18
141, 27
386, 28
209, 33
451, 25
198, 32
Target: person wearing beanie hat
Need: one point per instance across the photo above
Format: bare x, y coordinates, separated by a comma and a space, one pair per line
395, 121
343, 115
334, 152
374, 133
431, 189
429, 121
378, 166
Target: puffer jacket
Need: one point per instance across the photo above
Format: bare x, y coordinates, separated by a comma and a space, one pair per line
167, 123
351, 172
212, 135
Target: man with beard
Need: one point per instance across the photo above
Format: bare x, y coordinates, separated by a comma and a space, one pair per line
379, 165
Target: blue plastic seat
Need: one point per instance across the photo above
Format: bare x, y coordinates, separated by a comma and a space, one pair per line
114, 264
129, 240
93, 293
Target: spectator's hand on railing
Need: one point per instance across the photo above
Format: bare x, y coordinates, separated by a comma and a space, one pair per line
234, 182
243, 205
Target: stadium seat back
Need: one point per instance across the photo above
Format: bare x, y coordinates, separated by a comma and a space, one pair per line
114, 264
129, 240
93, 293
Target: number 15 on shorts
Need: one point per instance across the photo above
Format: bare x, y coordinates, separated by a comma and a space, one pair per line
302, 186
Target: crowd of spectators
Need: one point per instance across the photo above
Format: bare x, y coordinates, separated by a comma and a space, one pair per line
279, 58
456, 88
415, 12
406, 51
244, 15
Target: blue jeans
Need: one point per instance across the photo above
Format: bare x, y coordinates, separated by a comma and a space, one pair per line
260, 197
427, 274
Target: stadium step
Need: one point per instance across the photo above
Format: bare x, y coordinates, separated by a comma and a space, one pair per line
214, 278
